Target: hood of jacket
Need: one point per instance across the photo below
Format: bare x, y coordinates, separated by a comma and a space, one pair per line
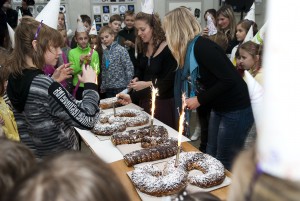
18, 87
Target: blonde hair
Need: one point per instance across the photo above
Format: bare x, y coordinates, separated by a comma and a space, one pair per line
181, 27
106, 29
227, 12
24, 35
71, 176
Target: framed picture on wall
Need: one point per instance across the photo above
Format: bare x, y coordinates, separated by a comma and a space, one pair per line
97, 18
106, 9
105, 18
123, 8
114, 9
105, 24
131, 8
98, 26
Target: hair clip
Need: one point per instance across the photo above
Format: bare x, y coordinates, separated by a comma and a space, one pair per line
38, 31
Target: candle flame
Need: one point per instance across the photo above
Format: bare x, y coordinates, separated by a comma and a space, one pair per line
181, 119
153, 98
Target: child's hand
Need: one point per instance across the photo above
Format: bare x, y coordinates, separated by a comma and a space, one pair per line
205, 32
88, 75
85, 58
63, 72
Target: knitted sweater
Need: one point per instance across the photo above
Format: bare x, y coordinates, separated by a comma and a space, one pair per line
74, 58
46, 122
117, 68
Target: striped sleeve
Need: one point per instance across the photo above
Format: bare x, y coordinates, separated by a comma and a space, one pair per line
82, 113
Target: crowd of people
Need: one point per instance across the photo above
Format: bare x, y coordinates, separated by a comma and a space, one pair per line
50, 83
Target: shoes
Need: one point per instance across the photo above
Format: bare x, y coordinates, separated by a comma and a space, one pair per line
196, 134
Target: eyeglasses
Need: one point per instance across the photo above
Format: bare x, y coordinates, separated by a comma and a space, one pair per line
38, 30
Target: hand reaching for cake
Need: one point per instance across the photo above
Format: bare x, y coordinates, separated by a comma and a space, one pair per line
124, 99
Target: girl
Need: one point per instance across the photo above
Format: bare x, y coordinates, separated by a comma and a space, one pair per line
156, 66
117, 66
82, 55
217, 84
251, 60
61, 21
9, 125
226, 23
87, 23
45, 112
242, 29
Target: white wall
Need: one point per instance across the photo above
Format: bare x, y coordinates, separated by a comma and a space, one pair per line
77, 7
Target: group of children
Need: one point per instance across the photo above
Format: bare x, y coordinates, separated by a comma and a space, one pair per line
109, 53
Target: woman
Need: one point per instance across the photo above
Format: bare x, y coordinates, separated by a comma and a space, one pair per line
156, 66
216, 83
226, 23
44, 111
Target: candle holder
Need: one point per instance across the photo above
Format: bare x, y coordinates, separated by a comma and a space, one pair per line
177, 156
114, 108
151, 127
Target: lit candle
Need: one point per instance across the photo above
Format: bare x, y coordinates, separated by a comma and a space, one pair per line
153, 98
181, 127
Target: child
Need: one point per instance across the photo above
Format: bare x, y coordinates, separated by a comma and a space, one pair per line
242, 29
115, 22
238, 63
251, 60
128, 33
116, 64
71, 176
61, 21
63, 59
9, 125
45, 112
82, 55
93, 35
86, 20
16, 162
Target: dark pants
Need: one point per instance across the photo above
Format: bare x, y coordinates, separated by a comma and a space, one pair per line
164, 110
203, 113
113, 92
227, 133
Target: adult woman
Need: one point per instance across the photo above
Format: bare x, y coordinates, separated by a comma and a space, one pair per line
44, 111
226, 23
215, 81
156, 66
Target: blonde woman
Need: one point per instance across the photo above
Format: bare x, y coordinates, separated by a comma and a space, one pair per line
209, 78
226, 23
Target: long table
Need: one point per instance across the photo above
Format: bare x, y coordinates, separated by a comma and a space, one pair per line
101, 147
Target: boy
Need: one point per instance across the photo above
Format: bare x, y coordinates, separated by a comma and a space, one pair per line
128, 33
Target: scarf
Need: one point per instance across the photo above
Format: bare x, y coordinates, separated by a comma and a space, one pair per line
185, 80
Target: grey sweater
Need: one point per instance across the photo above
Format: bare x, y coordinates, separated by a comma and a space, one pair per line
50, 112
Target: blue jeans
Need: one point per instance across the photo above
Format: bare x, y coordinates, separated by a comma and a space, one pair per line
227, 133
